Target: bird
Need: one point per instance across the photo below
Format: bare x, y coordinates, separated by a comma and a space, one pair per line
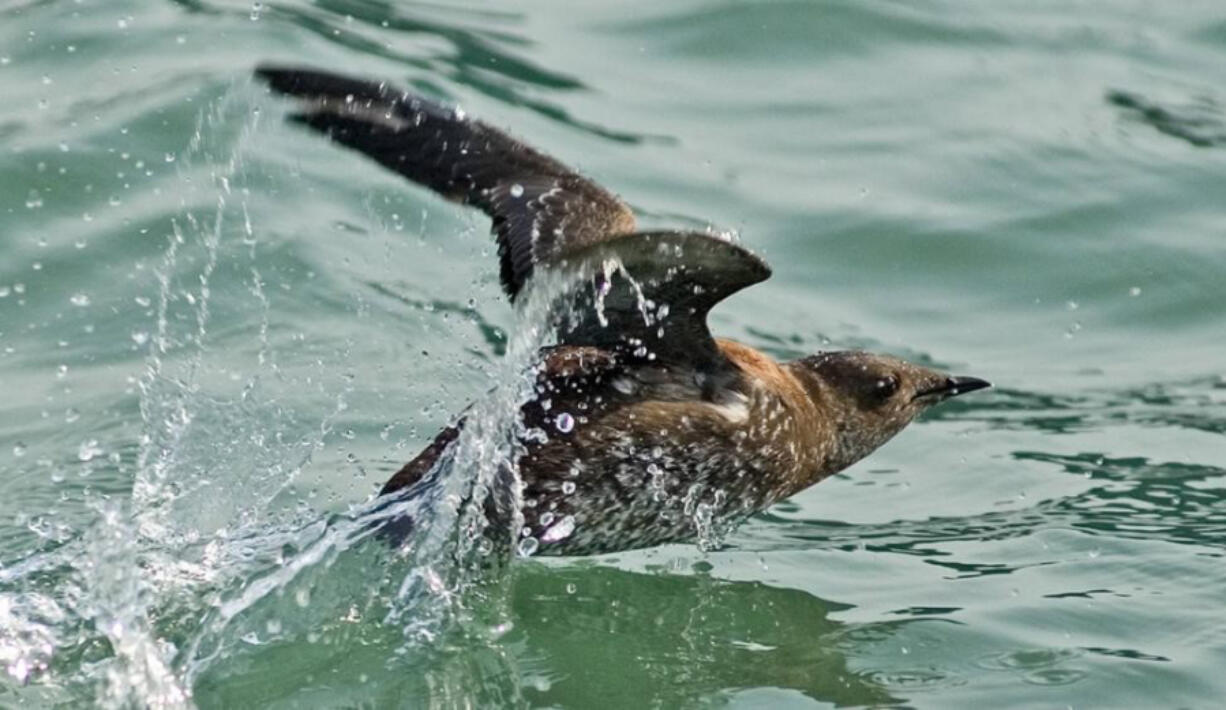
655, 431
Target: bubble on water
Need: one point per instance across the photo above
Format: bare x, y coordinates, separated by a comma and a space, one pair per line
71, 415
5, 291
256, 9
517, 190
564, 422
34, 200
561, 530
302, 597
170, 157
140, 337
1072, 305
568, 487
1134, 291
547, 519
571, 588
79, 299
19, 449
61, 371
528, 546
89, 450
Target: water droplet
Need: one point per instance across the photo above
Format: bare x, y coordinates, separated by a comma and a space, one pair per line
1134, 291
302, 597
571, 588
19, 449
61, 371
568, 487
1072, 305
79, 299
565, 423
528, 546
517, 190
256, 8
34, 200
5, 291
560, 531
89, 450
71, 415
170, 157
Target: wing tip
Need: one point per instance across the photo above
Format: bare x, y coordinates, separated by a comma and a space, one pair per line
306, 82
709, 260
706, 251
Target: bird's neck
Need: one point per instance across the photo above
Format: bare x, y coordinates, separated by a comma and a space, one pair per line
789, 417
825, 428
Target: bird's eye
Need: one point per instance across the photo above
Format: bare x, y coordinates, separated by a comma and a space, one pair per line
886, 387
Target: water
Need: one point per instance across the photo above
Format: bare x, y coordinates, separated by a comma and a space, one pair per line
219, 335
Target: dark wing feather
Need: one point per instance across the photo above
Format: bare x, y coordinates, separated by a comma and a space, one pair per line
545, 215
540, 208
650, 293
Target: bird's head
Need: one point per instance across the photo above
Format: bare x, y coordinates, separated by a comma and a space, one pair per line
872, 397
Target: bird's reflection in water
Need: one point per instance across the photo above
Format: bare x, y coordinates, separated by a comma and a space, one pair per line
566, 634
594, 636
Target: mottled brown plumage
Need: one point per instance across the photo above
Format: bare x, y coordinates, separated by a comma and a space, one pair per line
644, 429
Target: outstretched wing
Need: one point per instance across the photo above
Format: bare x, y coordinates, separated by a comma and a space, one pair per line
650, 292
540, 208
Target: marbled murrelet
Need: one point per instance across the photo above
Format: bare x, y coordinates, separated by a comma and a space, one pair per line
657, 432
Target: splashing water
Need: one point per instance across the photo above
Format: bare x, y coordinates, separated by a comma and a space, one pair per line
205, 560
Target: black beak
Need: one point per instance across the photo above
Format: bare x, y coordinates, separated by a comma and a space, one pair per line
954, 386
